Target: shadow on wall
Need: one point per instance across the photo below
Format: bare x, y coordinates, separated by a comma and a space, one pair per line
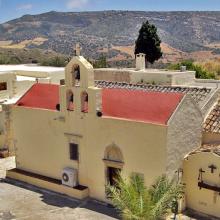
59, 200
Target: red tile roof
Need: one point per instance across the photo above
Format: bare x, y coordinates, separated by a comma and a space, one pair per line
212, 122
153, 107
44, 96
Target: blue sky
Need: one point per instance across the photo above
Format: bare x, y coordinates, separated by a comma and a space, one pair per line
10, 9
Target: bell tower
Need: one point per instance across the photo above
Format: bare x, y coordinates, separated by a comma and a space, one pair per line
79, 81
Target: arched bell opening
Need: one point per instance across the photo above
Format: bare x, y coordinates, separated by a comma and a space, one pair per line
76, 75
69, 100
84, 102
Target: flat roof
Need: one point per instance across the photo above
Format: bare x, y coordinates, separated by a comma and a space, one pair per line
5, 72
30, 67
147, 70
25, 78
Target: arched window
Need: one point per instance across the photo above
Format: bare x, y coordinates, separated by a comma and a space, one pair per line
70, 100
84, 102
76, 75
114, 154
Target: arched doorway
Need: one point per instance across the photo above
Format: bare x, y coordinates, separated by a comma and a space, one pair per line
114, 162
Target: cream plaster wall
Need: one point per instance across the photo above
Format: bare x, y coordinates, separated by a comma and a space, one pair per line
38, 141
142, 146
45, 148
184, 133
204, 200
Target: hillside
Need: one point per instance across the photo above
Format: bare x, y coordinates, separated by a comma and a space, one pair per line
184, 34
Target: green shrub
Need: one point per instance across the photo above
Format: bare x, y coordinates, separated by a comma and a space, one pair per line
54, 61
101, 62
201, 73
9, 59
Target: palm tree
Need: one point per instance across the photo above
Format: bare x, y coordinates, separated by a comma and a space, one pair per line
137, 202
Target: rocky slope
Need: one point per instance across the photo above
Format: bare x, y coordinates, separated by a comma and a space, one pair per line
114, 32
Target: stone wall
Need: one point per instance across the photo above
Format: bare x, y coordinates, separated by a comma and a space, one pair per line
184, 133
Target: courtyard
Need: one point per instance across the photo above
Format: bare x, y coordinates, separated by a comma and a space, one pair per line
22, 201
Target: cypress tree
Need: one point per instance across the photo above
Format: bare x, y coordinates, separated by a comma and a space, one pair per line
148, 42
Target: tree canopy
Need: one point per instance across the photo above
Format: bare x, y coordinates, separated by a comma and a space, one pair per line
148, 42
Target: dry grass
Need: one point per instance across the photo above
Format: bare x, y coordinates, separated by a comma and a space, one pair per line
125, 49
212, 66
5, 42
36, 41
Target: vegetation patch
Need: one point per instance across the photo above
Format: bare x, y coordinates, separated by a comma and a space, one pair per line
201, 72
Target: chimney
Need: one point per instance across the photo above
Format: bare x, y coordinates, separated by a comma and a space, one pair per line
140, 61
183, 69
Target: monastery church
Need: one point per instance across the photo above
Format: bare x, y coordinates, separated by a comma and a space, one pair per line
73, 138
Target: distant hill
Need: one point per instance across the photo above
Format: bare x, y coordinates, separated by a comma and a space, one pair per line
184, 34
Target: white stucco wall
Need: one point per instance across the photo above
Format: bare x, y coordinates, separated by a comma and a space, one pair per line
114, 75
10, 79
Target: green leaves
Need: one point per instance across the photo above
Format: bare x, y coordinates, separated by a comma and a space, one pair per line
148, 42
135, 201
201, 73
55, 61
5, 59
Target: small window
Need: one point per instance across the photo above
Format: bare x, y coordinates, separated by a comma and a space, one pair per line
74, 154
3, 86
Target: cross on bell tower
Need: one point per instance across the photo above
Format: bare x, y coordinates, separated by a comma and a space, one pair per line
77, 50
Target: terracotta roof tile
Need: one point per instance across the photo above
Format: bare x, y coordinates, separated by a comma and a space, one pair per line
212, 122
